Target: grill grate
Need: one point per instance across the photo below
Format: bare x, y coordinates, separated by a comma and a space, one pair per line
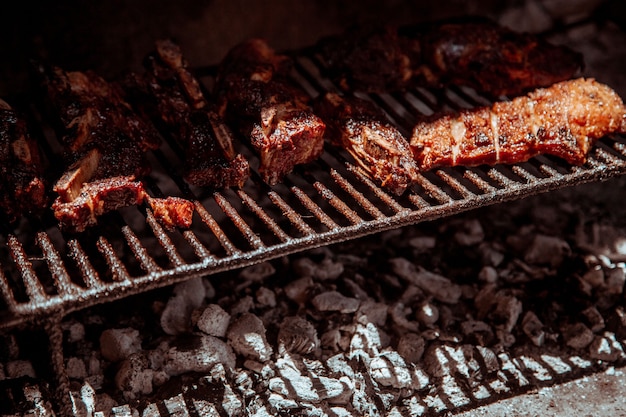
45, 272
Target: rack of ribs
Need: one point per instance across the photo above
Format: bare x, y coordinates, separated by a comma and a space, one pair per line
255, 94
563, 120
22, 186
477, 53
105, 144
172, 97
361, 128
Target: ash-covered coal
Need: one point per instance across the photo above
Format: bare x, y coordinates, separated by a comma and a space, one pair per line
420, 320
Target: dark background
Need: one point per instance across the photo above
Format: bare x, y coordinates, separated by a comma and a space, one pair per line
112, 36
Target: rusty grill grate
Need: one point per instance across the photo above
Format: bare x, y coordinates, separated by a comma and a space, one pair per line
44, 272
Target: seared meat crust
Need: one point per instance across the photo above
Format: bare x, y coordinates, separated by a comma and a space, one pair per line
256, 96
376, 145
475, 52
563, 120
22, 184
172, 96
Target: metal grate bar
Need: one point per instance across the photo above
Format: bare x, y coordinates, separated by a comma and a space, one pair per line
210, 221
500, 178
88, 272
199, 249
290, 214
314, 208
478, 181
141, 253
337, 203
164, 240
377, 191
432, 190
64, 284
261, 214
241, 224
455, 184
116, 267
358, 197
523, 173
34, 289
418, 202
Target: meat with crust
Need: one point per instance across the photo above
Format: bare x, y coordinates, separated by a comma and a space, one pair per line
474, 52
271, 112
563, 120
172, 211
22, 184
105, 142
376, 145
96, 198
172, 96
372, 59
493, 59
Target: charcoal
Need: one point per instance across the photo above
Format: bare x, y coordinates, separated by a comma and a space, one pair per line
577, 335
427, 314
214, 321
533, 328
75, 368
19, 368
594, 319
411, 347
266, 297
297, 335
117, 344
335, 301
205, 353
606, 348
247, 337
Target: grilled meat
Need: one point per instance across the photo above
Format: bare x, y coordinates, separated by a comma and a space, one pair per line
377, 146
105, 141
93, 113
493, 59
22, 187
272, 113
172, 211
371, 59
96, 198
563, 120
171, 95
477, 53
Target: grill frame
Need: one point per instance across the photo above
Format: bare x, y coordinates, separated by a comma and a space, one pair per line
325, 202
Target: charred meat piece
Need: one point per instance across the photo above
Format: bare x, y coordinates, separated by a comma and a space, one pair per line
22, 185
563, 120
364, 131
105, 142
93, 112
172, 211
373, 59
172, 97
96, 198
256, 95
475, 52
493, 59
101, 196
